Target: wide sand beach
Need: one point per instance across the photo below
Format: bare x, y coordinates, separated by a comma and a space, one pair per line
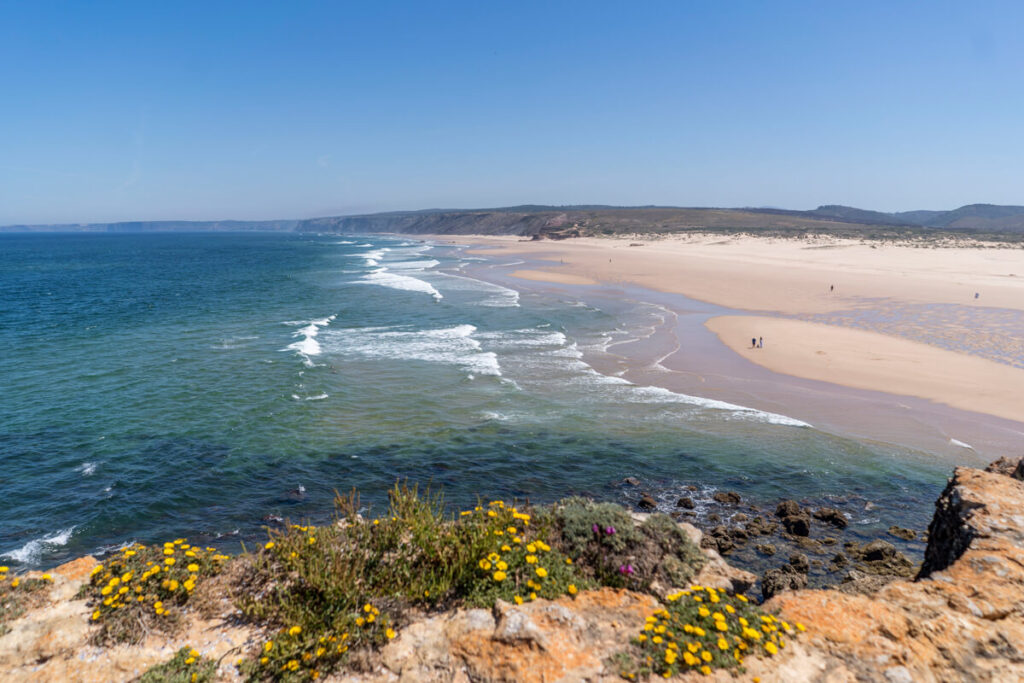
938, 321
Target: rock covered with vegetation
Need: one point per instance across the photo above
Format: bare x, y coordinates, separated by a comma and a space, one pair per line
574, 591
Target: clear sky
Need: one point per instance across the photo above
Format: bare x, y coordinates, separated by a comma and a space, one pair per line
180, 110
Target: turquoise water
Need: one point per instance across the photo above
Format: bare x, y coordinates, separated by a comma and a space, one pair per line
164, 385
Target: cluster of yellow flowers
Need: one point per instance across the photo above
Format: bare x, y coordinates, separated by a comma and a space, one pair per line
150, 575
704, 628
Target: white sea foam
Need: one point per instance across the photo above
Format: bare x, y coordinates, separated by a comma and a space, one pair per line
407, 283
662, 395
87, 469
961, 444
33, 551
308, 346
412, 265
451, 345
496, 296
345, 242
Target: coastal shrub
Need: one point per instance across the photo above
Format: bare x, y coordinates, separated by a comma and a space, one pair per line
335, 591
701, 629
186, 666
144, 587
17, 594
615, 552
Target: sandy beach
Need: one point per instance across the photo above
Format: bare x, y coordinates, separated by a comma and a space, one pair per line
897, 318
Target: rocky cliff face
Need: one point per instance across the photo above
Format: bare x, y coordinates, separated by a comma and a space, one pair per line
962, 619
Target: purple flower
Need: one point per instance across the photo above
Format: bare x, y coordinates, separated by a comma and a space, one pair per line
596, 529
609, 530
626, 569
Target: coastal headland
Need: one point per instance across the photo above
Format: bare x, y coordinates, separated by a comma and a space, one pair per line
939, 320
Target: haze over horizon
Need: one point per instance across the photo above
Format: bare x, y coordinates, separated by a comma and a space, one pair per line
126, 112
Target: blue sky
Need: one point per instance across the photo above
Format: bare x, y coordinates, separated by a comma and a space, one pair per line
138, 110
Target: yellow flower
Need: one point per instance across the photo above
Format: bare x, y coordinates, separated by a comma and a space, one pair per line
389, 633
96, 615
657, 640
499, 576
190, 660
531, 559
264, 660
721, 626
706, 656
502, 565
690, 659
268, 545
770, 648
295, 630
485, 565
268, 646
293, 664
46, 577
173, 585
193, 568
572, 589
511, 530
723, 644
518, 600
706, 670
568, 560
533, 596
541, 572
367, 608
360, 621
506, 548
704, 612
169, 551
312, 540
494, 557
800, 627
169, 561
670, 656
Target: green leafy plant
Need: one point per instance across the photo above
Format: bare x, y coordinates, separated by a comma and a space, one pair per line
186, 666
17, 594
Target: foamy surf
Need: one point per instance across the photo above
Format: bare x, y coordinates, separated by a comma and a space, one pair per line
961, 444
87, 469
662, 395
32, 551
308, 346
451, 345
383, 278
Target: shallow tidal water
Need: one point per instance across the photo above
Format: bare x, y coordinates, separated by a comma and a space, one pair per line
165, 385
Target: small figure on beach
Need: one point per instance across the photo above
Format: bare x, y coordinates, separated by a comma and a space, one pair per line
760, 342
831, 288
975, 295
753, 342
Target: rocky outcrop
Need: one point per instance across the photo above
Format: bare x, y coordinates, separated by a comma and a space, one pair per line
962, 619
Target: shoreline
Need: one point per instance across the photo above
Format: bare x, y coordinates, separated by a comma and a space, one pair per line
967, 381
687, 357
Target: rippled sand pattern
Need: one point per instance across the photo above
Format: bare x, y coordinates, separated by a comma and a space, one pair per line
993, 333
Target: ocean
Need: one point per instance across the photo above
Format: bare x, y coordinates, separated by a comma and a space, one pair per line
155, 386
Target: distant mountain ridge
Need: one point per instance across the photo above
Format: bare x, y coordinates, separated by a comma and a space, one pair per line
534, 220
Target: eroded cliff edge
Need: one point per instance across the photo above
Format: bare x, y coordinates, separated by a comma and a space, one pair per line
961, 619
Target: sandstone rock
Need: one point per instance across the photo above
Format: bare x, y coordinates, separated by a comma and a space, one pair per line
962, 620
631, 481
785, 578
727, 497
647, 502
788, 508
766, 549
799, 562
1011, 467
797, 525
831, 516
686, 503
900, 532
739, 518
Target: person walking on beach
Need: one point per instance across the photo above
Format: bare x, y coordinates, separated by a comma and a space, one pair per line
760, 342
831, 288
753, 342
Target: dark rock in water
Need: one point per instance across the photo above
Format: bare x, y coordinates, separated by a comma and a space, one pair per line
723, 541
676, 515
809, 544
727, 497
798, 525
880, 558
738, 535
1011, 467
691, 487
799, 562
817, 563
766, 548
828, 540
714, 517
631, 481
739, 517
647, 502
685, 502
831, 516
838, 562
900, 532
759, 525
788, 508
856, 582
296, 495
785, 578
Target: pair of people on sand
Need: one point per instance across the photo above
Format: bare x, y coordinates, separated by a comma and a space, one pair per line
757, 342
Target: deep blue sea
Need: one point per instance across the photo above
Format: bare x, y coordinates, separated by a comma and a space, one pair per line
203, 385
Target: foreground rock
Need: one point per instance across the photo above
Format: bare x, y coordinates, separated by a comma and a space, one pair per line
962, 620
